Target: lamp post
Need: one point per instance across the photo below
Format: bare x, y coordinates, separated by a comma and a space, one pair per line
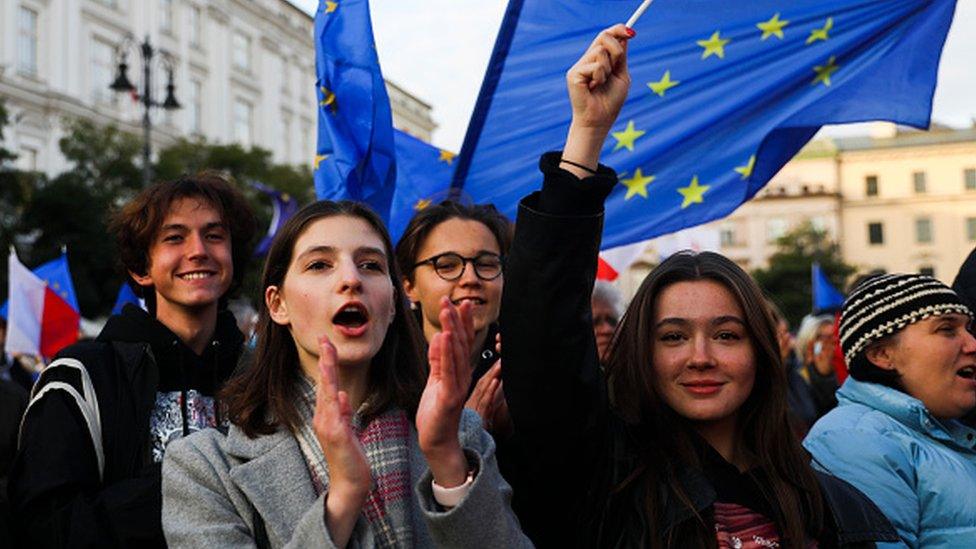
123, 84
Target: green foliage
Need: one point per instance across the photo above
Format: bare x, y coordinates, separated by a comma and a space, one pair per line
787, 278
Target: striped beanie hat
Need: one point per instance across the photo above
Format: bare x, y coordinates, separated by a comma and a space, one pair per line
885, 304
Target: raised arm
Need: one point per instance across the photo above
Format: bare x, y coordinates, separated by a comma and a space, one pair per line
552, 382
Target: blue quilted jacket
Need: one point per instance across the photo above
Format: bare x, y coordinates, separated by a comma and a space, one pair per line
919, 470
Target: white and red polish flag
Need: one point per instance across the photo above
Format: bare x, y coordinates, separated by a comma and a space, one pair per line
614, 261
39, 321
617, 260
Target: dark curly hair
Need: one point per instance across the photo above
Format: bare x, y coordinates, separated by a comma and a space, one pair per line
136, 224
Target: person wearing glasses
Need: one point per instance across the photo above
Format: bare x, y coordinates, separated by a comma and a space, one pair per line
455, 250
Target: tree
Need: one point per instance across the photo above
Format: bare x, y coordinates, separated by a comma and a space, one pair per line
787, 278
72, 210
16, 188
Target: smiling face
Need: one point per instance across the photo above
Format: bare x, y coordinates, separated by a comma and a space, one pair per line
190, 263
337, 284
936, 359
703, 356
466, 238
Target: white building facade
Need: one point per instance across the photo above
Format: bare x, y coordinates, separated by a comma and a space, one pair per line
244, 73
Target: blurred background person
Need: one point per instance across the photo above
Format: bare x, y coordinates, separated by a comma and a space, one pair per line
799, 397
607, 305
815, 343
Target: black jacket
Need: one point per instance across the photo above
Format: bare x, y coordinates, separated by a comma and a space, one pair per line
571, 448
60, 498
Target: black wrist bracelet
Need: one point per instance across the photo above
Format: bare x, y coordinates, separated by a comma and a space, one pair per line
578, 165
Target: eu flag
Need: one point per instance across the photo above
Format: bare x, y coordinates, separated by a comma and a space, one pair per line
723, 95
355, 155
423, 178
826, 298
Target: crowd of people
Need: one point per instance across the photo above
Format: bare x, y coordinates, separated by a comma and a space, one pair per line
474, 387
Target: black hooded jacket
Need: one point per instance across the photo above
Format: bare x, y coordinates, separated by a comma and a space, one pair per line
87, 472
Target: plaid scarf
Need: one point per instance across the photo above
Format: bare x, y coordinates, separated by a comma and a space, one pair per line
385, 442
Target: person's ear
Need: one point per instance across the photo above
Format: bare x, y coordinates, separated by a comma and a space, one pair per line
144, 280
881, 355
410, 290
277, 307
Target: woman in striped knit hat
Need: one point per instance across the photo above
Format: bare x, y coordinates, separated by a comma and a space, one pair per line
895, 434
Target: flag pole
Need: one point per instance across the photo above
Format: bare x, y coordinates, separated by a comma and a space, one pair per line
637, 14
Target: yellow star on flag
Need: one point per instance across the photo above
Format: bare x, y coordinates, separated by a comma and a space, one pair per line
447, 157
637, 184
421, 204
773, 27
328, 99
318, 160
693, 194
821, 34
714, 45
330, 6
824, 72
664, 84
627, 137
55, 285
746, 171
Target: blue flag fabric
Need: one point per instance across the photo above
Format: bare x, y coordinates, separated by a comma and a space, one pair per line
57, 275
126, 295
826, 298
423, 178
723, 94
284, 206
355, 154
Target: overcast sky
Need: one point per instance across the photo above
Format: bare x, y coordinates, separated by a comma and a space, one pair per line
438, 50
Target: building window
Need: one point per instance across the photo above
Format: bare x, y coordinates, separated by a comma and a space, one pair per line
243, 113
727, 237
102, 71
285, 73
969, 175
285, 138
875, 233
926, 270
918, 178
27, 159
871, 185
27, 41
923, 230
194, 114
194, 25
775, 228
242, 51
971, 228
166, 16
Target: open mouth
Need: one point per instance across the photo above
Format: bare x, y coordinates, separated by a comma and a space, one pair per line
969, 372
196, 275
473, 300
351, 315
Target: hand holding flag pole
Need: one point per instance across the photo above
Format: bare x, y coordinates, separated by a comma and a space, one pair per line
598, 84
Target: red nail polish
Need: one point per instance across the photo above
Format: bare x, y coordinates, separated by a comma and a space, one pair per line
631, 32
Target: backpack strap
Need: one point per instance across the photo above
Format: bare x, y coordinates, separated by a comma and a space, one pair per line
84, 397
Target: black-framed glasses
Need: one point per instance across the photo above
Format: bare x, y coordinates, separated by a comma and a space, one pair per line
450, 266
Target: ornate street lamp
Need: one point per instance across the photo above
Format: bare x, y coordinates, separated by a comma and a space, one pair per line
123, 84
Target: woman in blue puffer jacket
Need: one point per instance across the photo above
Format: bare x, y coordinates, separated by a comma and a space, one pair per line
895, 434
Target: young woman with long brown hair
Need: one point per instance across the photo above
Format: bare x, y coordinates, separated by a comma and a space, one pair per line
687, 442
338, 434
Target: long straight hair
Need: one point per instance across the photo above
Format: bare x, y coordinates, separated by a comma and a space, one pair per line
764, 429
262, 396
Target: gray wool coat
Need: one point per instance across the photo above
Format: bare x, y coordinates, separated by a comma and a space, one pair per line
215, 485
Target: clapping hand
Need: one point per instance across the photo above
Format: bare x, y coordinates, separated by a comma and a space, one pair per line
442, 402
349, 475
